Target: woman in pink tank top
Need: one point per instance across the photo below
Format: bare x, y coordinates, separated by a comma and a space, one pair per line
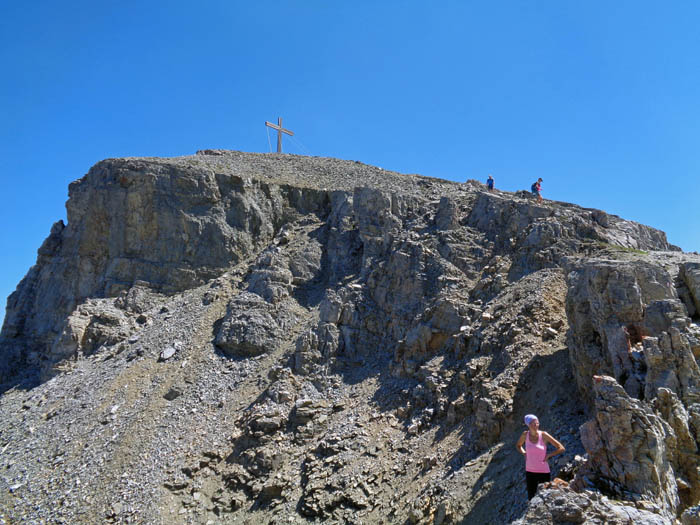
535, 452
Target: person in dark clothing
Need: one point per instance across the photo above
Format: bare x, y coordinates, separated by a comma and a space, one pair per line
537, 188
489, 182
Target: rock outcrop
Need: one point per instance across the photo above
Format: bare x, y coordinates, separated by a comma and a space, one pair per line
262, 336
562, 506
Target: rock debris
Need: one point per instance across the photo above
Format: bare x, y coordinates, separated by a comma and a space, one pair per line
264, 338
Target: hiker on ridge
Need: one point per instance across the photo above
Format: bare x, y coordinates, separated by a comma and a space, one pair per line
535, 452
489, 182
537, 188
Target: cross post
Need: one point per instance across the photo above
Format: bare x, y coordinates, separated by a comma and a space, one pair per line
280, 130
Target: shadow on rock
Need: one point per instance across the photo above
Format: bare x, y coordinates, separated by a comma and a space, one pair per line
545, 388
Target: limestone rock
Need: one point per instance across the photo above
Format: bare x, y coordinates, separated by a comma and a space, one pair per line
167, 353
172, 224
630, 448
95, 324
690, 273
608, 313
670, 364
446, 217
352, 345
252, 326
559, 506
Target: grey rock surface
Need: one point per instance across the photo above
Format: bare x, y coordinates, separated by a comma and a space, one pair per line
630, 447
344, 344
560, 506
253, 326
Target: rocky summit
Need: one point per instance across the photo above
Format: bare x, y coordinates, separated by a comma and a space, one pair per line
274, 339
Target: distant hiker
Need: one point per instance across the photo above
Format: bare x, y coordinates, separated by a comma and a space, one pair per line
535, 452
537, 188
489, 182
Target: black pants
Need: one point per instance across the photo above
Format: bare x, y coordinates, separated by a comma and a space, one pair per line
533, 479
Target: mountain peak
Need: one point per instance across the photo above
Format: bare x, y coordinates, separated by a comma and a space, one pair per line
256, 335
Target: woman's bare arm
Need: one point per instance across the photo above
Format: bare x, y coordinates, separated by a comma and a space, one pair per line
559, 447
520, 443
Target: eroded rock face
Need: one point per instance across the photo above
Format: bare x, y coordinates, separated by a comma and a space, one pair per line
348, 342
690, 273
612, 307
93, 324
632, 319
630, 447
169, 225
175, 223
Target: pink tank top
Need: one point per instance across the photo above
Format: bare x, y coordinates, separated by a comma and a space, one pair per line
535, 454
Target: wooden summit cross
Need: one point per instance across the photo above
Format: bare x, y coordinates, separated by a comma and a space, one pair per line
280, 130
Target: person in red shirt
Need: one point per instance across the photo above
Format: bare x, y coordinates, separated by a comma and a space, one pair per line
535, 452
537, 188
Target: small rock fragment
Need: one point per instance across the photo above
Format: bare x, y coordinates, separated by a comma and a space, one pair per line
167, 353
173, 393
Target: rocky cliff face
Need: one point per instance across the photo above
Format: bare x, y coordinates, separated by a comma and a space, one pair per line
263, 338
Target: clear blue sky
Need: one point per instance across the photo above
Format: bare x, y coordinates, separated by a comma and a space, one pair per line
599, 98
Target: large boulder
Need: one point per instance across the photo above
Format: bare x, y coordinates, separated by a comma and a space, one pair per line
252, 326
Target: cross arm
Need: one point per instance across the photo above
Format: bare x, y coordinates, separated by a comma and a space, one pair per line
278, 128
